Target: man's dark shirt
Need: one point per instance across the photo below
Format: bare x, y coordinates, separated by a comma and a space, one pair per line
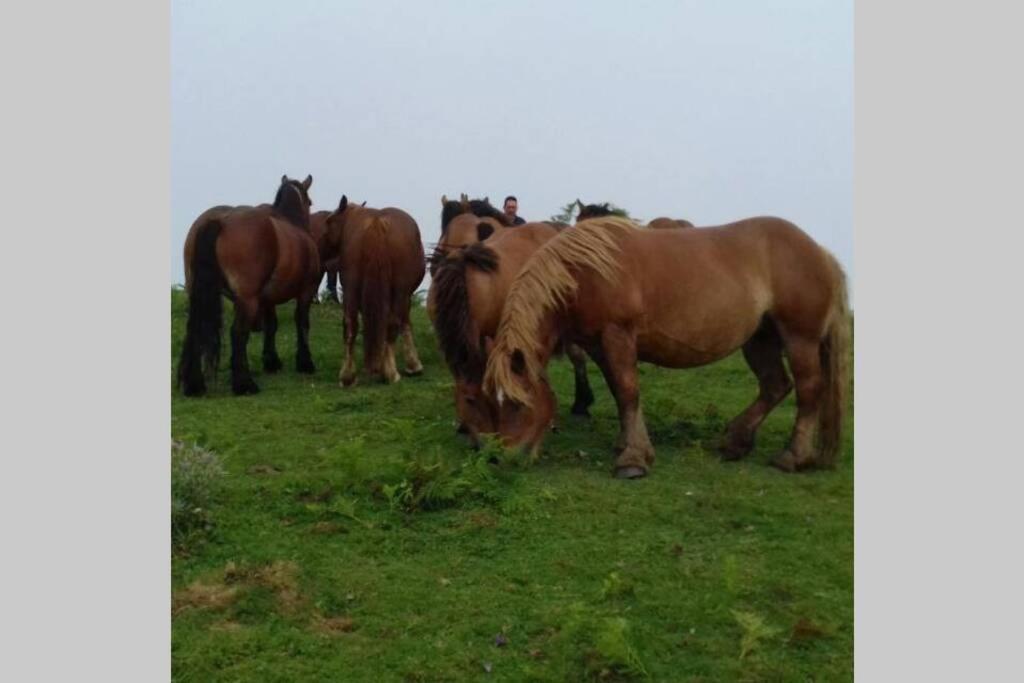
518, 221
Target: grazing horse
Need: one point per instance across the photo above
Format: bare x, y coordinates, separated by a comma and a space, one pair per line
258, 257
381, 261
470, 285
588, 211
679, 299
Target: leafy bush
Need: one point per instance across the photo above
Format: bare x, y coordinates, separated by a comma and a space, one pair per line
196, 477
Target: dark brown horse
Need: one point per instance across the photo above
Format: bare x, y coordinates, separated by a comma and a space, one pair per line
381, 261
470, 285
258, 257
587, 211
679, 299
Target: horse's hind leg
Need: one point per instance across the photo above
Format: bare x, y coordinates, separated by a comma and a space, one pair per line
303, 358
413, 366
805, 364
271, 361
584, 395
351, 327
763, 353
246, 313
390, 365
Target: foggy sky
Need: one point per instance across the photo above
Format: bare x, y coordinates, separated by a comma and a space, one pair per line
709, 111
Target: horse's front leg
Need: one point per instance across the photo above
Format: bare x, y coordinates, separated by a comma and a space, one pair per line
303, 358
271, 361
617, 360
584, 396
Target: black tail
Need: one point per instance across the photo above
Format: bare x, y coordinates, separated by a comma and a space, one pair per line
201, 349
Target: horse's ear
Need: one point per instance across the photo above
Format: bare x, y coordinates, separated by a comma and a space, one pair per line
444, 199
518, 363
284, 179
484, 230
579, 203
307, 182
488, 344
487, 201
464, 200
343, 203
364, 203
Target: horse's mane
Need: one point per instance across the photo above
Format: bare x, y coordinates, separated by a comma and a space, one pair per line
289, 207
547, 283
478, 207
595, 211
461, 348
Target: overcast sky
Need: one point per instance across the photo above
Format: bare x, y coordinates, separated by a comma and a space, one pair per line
709, 111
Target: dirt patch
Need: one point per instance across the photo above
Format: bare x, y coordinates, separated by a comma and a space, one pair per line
332, 625
281, 577
226, 626
200, 595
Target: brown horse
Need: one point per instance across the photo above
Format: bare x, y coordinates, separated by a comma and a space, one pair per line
679, 299
467, 221
470, 285
588, 211
381, 261
258, 257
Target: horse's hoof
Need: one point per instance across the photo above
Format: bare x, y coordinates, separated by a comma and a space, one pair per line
272, 365
348, 380
785, 461
413, 372
630, 472
306, 368
244, 388
732, 451
580, 411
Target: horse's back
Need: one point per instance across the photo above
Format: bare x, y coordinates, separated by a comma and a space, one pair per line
756, 266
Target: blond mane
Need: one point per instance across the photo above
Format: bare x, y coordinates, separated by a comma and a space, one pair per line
547, 283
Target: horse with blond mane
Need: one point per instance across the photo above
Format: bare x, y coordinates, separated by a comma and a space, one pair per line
679, 299
381, 261
470, 285
259, 257
588, 211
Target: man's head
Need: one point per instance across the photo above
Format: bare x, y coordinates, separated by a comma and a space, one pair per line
511, 206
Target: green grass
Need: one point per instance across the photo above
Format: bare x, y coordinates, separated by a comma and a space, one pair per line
316, 571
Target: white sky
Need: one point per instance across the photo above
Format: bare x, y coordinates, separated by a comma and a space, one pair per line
710, 111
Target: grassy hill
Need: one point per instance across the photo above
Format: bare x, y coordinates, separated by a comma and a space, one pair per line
355, 537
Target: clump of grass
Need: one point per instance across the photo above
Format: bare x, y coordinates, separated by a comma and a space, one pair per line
196, 478
755, 630
433, 482
616, 653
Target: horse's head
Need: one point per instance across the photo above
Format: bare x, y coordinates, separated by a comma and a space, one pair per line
522, 399
586, 211
331, 243
292, 200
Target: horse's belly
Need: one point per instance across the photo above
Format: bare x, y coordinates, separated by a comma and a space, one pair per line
686, 342
671, 352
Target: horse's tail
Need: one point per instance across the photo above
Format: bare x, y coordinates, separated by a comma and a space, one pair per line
201, 349
375, 293
835, 363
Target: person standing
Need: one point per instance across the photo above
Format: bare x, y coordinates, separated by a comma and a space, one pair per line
511, 210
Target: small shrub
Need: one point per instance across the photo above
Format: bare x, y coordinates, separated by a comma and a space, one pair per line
196, 477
